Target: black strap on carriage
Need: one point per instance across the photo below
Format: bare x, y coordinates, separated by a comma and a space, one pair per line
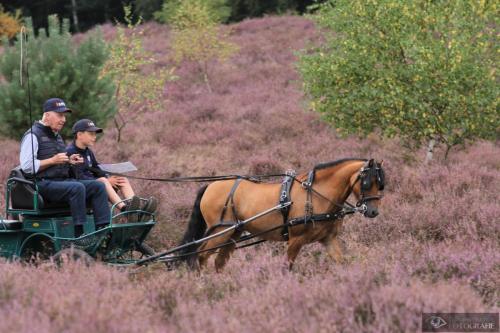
286, 186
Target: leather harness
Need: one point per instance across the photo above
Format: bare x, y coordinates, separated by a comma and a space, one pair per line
229, 202
286, 186
309, 215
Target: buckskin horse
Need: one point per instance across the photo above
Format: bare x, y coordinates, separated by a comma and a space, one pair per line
315, 213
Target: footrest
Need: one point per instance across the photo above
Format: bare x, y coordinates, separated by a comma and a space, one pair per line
10, 225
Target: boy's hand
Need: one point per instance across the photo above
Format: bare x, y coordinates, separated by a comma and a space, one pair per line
75, 159
112, 180
116, 181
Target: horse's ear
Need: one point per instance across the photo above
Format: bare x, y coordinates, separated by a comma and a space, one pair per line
370, 163
381, 163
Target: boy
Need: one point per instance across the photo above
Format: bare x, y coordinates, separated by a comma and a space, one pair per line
85, 133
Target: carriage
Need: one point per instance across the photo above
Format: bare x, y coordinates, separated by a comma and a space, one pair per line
37, 229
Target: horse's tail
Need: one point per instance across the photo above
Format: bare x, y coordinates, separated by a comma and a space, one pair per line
195, 230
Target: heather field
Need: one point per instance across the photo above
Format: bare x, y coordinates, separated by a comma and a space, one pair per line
433, 248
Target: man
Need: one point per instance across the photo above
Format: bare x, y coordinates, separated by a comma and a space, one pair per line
43, 155
85, 135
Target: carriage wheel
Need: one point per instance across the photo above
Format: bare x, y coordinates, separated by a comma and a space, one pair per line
37, 249
134, 253
72, 254
147, 250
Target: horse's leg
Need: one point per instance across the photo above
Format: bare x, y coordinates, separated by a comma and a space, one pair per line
333, 248
294, 246
204, 256
332, 244
225, 252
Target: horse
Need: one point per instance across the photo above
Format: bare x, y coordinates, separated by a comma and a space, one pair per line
316, 205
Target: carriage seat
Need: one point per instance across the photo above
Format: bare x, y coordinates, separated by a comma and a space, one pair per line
22, 192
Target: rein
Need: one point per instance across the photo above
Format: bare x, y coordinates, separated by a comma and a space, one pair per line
193, 179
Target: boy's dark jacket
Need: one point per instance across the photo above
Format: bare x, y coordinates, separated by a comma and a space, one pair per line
90, 169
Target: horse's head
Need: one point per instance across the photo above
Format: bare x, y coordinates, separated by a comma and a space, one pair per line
368, 186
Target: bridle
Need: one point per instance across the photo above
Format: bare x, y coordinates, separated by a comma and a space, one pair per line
370, 169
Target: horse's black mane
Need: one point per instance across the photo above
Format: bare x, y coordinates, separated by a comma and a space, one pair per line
334, 163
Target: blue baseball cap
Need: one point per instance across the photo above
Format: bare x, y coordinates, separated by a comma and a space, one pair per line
56, 105
85, 125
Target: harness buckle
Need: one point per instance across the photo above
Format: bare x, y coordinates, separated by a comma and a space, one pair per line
308, 208
362, 208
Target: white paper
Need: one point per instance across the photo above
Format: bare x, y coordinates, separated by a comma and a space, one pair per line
118, 167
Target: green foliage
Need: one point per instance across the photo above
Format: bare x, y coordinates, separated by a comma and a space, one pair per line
421, 70
57, 68
197, 37
135, 92
216, 10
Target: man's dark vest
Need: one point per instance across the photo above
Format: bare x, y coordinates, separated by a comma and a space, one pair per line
49, 144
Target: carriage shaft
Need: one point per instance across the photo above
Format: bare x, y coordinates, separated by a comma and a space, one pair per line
222, 232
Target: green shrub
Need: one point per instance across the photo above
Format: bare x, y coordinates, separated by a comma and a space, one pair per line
421, 70
57, 68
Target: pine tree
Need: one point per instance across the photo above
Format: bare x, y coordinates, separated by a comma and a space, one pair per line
57, 68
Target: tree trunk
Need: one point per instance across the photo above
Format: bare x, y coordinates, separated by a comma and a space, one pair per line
448, 148
430, 151
75, 16
206, 79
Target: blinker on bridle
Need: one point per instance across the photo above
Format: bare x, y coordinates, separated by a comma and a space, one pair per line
365, 176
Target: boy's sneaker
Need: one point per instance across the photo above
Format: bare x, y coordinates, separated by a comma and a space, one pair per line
149, 207
131, 207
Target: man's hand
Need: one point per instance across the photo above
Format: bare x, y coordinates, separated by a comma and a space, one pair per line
60, 158
75, 159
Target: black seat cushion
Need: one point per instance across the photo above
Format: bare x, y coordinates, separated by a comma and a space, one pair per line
21, 194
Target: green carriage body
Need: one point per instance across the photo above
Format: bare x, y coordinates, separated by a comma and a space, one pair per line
36, 230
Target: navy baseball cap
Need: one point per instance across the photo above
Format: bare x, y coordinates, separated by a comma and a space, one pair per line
85, 125
56, 105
